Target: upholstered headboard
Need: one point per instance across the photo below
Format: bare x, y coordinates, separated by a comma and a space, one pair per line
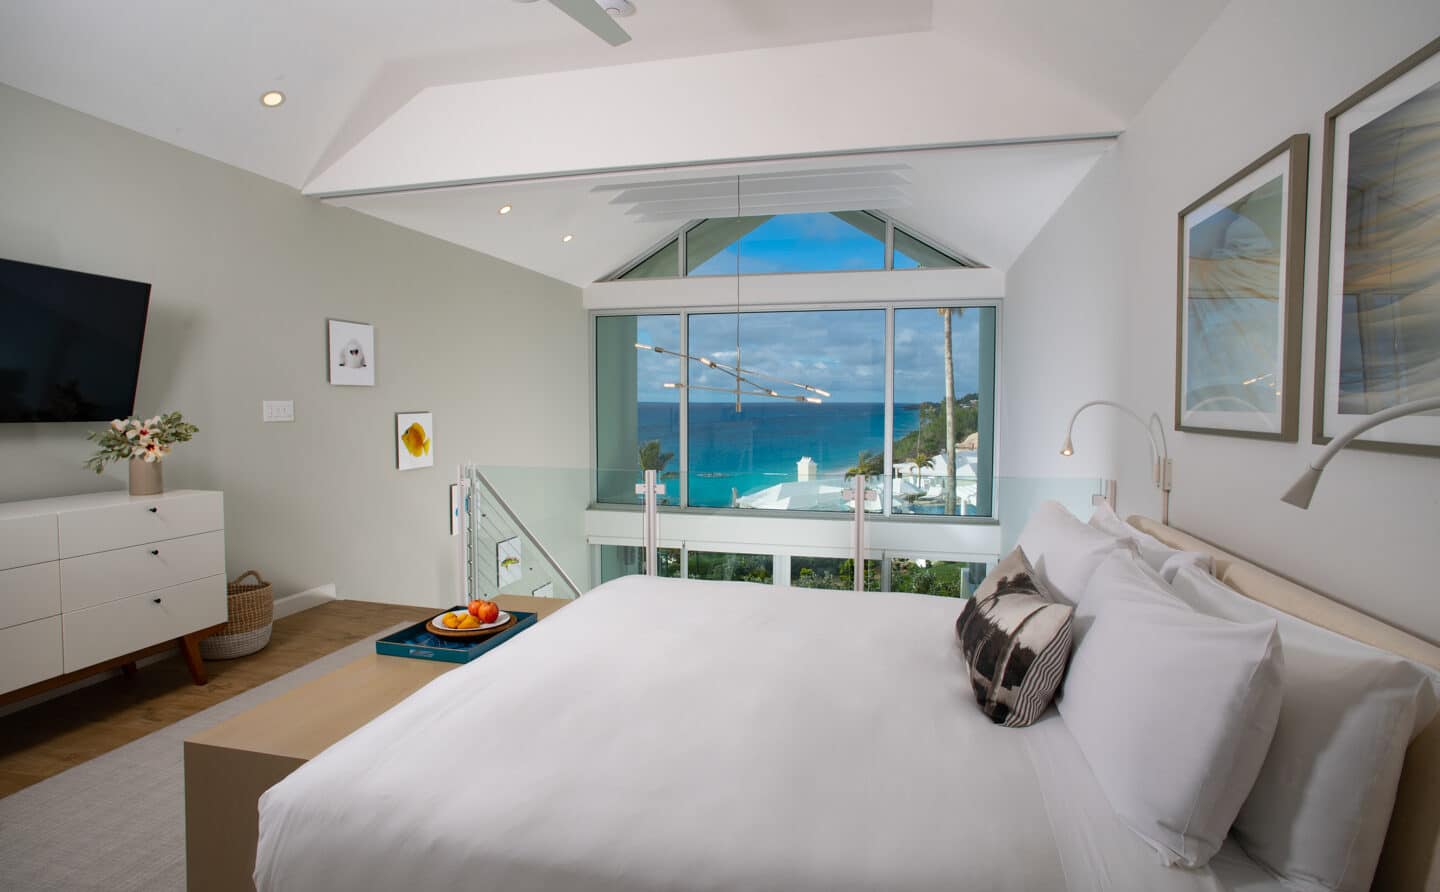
1411, 860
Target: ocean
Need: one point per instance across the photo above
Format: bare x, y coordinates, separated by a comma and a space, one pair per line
759, 446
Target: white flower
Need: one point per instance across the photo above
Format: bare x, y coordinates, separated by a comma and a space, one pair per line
152, 421
151, 457
137, 452
118, 425
132, 433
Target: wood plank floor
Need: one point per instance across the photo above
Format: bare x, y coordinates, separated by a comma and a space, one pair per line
46, 739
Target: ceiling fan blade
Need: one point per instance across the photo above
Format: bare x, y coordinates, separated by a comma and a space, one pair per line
589, 14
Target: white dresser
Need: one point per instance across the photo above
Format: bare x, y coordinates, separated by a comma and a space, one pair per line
87, 580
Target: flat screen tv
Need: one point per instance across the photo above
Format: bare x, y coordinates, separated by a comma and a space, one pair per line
69, 344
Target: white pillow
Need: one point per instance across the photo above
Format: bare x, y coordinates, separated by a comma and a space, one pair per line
1321, 806
1174, 711
1064, 551
1121, 576
1161, 557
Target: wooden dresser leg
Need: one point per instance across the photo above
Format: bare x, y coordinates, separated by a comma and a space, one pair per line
190, 648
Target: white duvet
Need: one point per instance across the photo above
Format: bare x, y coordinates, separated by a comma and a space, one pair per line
660, 734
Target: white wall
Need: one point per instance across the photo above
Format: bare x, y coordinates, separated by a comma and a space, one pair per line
1265, 70
245, 273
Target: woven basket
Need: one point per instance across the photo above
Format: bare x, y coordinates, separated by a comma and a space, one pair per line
252, 616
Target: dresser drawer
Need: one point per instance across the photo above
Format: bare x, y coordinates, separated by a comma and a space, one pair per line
138, 521
29, 653
96, 578
27, 540
29, 593
129, 624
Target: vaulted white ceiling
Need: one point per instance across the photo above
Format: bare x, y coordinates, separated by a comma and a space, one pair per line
985, 202
391, 96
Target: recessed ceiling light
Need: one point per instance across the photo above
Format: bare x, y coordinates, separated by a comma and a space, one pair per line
505, 209
272, 98
567, 238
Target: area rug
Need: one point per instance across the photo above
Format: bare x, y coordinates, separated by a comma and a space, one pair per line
117, 822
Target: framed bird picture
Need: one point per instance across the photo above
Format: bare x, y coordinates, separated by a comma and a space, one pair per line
351, 353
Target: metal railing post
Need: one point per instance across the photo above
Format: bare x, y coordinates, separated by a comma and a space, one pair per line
859, 543
651, 489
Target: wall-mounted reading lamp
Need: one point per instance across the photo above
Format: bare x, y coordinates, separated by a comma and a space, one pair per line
1159, 451
1300, 494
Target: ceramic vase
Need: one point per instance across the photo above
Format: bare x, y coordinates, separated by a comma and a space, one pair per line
146, 478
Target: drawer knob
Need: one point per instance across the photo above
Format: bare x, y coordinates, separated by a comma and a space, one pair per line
154, 551
157, 600
153, 510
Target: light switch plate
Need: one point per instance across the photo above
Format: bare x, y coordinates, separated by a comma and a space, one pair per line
277, 410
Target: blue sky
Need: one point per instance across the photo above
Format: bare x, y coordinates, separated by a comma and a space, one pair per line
800, 243
842, 351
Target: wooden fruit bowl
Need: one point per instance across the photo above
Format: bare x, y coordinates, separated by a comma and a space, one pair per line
435, 627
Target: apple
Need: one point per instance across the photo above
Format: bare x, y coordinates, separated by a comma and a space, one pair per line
489, 612
475, 608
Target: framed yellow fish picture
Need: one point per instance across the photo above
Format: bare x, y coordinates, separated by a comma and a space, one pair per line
414, 435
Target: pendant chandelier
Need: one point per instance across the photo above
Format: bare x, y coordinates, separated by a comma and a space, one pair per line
744, 379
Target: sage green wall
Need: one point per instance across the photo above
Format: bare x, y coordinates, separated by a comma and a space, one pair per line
245, 273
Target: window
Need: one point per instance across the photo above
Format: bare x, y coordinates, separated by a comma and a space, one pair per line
784, 454
757, 457
837, 241
931, 477
912, 253
731, 567
663, 264
832, 573
629, 560
789, 243
948, 579
637, 419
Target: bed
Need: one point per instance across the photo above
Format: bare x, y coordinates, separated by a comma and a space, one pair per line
660, 734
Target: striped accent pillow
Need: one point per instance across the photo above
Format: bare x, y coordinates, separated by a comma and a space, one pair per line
1016, 641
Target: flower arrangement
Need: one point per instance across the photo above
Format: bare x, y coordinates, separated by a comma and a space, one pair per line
149, 440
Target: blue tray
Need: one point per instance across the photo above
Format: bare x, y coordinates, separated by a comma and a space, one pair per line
418, 644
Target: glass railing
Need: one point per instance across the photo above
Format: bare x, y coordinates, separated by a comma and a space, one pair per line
542, 531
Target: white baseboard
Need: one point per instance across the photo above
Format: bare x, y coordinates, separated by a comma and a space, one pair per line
311, 597
289, 605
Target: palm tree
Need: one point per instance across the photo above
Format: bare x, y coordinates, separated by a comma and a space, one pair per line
921, 460
652, 459
871, 464
947, 313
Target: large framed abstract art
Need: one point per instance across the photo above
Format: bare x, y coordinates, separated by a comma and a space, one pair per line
1241, 286
1378, 314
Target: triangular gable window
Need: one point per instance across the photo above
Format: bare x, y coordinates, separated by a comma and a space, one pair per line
835, 241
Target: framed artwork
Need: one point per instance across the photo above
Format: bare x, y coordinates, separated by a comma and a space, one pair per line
1377, 338
351, 353
507, 561
414, 435
1241, 288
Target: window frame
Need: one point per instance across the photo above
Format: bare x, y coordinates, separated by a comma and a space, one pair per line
781, 557
886, 514
962, 260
